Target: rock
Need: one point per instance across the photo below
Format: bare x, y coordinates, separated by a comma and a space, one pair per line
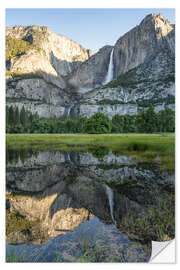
68, 80
63, 53
144, 57
141, 43
109, 110
37, 63
91, 73
36, 95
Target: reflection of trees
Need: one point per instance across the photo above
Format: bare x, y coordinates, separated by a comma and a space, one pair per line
99, 152
13, 156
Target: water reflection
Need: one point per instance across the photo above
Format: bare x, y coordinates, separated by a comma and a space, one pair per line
60, 193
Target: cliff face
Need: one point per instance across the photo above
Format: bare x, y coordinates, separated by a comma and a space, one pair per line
39, 73
37, 95
142, 43
67, 76
92, 72
152, 82
143, 72
63, 53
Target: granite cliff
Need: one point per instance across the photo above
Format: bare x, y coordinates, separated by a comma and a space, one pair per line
58, 77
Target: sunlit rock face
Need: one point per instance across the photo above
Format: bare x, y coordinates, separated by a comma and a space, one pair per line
42, 91
36, 61
70, 80
147, 53
139, 45
142, 43
63, 54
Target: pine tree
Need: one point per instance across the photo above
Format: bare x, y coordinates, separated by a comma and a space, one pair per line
147, 120
16, 116
151, 120
11, 115
23, 116
7, 115
118, 123
166, 121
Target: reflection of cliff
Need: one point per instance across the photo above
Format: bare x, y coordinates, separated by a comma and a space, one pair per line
65, 205
63, 190
39, 212
37, 172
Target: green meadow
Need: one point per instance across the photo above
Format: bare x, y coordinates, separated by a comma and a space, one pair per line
142, 147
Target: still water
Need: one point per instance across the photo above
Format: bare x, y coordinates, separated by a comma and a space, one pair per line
70, 206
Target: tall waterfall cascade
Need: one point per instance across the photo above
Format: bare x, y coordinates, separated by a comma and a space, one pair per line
109, 75
110, 196
69, 110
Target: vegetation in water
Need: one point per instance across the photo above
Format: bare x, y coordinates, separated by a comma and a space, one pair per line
98, 152
88, 251
13, 257
157, 224
15, 222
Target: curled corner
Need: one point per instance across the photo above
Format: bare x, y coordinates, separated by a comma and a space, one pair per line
163, 252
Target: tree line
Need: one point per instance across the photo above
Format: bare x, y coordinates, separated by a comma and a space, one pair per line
147, 121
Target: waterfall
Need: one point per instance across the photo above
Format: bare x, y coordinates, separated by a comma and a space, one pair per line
109, 75
110, 196
69, 110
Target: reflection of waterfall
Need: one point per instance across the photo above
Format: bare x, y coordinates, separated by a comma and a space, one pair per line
110, 196
68, 157
109, 75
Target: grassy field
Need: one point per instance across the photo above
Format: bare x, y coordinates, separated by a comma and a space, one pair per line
142, 147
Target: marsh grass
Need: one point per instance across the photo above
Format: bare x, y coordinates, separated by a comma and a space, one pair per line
91, 253
158, 224
16, 223
142, 147
16, 257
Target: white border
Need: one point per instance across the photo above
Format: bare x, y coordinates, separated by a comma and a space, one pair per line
78, 4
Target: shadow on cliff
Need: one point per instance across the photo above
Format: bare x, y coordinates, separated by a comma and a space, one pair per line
57, 82
64, 67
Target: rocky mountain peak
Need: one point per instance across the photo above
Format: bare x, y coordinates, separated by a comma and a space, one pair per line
71, 80
32, 33
161, 25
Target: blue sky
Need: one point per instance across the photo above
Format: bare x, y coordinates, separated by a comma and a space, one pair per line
92, 28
